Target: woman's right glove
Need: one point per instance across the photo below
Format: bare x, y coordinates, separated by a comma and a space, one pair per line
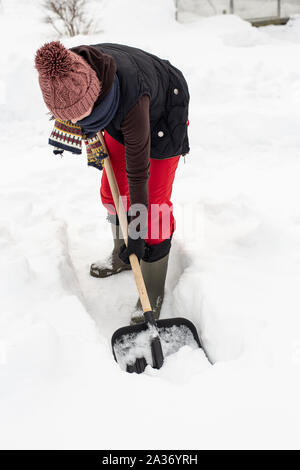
134, 246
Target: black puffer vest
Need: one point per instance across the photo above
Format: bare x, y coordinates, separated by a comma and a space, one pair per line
141, 73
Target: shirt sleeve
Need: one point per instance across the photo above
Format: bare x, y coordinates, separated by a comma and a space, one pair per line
136, 131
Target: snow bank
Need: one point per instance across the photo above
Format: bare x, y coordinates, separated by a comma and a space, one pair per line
189, 9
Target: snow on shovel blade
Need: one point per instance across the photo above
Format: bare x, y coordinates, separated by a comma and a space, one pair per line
134, 347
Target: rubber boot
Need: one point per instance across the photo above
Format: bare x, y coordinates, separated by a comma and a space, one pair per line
113, 264
154, 275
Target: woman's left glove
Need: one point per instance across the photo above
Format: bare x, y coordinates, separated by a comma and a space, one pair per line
134, 246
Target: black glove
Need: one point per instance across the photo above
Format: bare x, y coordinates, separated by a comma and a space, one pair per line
134, 246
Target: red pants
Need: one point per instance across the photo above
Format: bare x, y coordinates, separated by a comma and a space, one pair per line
161, 222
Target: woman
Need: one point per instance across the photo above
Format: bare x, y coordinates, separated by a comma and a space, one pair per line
141, 103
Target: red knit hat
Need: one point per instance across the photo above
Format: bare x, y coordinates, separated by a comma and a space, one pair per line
69, 84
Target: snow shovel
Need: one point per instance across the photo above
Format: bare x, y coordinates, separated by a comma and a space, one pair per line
148, 343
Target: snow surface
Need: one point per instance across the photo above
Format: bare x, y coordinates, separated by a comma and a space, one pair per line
234, 266
245, 8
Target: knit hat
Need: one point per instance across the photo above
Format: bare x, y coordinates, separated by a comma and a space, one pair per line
68, 83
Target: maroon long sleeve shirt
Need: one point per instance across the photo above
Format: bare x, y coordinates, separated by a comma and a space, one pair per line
136, 131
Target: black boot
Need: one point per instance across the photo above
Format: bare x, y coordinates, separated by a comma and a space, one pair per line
154, 275
113, 264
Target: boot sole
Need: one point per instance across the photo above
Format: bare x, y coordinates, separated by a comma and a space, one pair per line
109, 274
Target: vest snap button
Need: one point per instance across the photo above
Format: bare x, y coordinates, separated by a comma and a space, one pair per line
176, 91
160, 134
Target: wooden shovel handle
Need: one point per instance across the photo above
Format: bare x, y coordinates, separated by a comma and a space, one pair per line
135, 265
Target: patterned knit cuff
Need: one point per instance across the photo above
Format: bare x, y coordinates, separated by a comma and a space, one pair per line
66, 136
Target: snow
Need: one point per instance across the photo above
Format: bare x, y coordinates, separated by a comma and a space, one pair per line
234, 267
132, 346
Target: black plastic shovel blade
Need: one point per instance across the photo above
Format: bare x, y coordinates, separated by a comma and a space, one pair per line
134, 347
